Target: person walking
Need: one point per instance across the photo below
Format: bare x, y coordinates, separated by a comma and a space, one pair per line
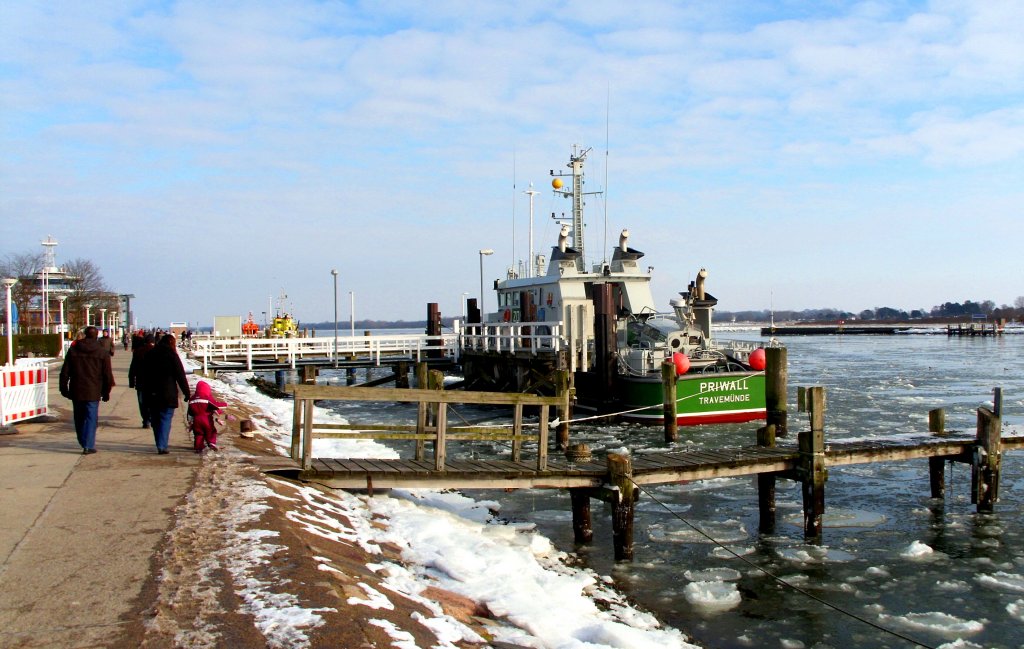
85, 378
139, 350
201, 410
162, 374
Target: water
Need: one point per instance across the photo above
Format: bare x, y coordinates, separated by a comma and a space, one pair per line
934, 571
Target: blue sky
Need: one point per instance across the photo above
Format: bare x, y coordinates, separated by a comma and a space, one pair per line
209, 156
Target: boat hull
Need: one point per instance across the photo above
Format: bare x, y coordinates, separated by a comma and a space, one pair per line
728, 397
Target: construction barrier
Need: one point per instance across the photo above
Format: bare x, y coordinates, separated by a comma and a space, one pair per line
23, 392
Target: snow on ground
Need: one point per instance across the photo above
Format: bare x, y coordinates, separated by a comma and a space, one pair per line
452, 542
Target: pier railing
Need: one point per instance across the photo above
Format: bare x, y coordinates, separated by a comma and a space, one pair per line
528, 337
247, 350
431, 420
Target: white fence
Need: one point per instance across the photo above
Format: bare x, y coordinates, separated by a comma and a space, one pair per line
23, 392
527, 337
374, 348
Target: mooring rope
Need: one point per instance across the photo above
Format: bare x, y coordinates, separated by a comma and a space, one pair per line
778, 579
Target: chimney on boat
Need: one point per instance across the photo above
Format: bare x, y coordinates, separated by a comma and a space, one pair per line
563, 238
702, 275
623, 238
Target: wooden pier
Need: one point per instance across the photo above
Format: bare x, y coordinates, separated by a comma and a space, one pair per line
617, 478
972, 329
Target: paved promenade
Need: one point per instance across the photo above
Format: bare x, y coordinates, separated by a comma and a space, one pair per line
79, 532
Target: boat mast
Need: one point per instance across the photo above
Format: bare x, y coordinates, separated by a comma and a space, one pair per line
576, 164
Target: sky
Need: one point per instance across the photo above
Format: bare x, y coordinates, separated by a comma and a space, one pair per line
213, 157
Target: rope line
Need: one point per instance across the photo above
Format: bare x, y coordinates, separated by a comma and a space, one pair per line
778, 579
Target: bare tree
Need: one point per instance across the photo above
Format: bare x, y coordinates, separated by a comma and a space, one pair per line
89, 288
23, 267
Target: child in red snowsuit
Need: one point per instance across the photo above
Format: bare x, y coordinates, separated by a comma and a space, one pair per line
201, 409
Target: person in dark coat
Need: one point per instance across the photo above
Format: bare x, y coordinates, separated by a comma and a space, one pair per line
162, 375
85, 378
139, 350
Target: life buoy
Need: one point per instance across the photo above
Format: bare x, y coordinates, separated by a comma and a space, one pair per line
507, 315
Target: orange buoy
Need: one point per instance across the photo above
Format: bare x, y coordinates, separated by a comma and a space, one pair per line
757, 359
682, 363
557, 183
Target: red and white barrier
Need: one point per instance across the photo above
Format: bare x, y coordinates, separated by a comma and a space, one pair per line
23, 392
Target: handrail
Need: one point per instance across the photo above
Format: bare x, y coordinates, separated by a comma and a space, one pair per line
436, 429
375, 347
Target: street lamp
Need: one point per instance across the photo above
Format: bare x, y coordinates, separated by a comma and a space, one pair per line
87, 307
483, 253
8, 283
334, 273
63, 325
352, 313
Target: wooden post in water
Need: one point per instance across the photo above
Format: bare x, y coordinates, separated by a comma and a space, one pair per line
766, 484
669, 409
776, 375
402, 374
582, 529
309, 373
296, 429
307, 434
937, 465
620, 471
988, 454
517, 432
562, 389
812, 464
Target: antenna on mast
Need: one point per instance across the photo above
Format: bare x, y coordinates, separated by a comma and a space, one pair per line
607, 102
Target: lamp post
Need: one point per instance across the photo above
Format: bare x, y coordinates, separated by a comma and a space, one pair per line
352, 313
529, 266
334, 273
483, 253
8, 283
87, 307
63, 325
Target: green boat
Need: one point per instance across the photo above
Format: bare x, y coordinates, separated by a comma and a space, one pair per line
602, 325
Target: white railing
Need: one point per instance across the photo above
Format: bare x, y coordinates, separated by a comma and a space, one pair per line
376, 347
528, 337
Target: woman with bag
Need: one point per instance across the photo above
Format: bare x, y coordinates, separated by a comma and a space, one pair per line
162, 375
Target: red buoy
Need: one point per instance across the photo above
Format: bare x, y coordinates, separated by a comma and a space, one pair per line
682, 363
757, 359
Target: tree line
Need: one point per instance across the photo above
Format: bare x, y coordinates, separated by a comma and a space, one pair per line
947, 311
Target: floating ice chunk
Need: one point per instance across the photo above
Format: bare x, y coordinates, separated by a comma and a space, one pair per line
1002, 581
953, 586
712, 596
731, 552
917, 550
789, 643
878, 571
842, 518
960, 643
713, 574
935, 622
727, 531
1016, 610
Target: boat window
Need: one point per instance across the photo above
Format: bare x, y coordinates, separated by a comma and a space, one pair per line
641, 333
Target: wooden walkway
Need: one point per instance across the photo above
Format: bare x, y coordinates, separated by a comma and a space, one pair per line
648, 468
